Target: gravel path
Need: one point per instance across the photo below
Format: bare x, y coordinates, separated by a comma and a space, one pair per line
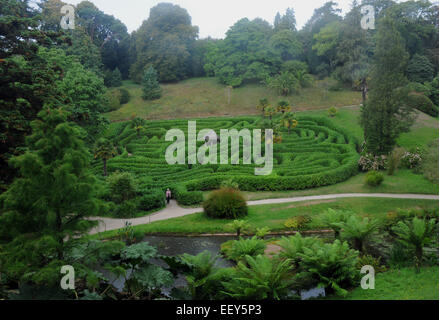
173, 210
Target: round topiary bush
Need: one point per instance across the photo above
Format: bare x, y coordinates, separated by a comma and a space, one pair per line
226, 203
374, 178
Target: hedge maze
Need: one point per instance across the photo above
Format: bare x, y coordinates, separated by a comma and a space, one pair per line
316, 153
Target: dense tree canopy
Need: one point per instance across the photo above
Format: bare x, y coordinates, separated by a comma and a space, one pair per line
165, 41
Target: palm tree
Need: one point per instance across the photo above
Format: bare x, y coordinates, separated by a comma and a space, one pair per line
104, 150
304, 78
270, 112
138, 124
260, 278
358, 230
289, 121
263, 104
416, 234
283, 106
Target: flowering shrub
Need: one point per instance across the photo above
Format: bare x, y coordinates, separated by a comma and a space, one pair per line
412, 160
369, 162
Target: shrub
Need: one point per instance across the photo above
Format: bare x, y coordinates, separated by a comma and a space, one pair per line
422, 103
152, 199
297, 223
113, 97
394, 160
125, 96
246, 247
186, 198
127, 209
370, 162
225, 203
374, 178
420, 69
332, 112
333, 265
412, 160
122, 187
368, 260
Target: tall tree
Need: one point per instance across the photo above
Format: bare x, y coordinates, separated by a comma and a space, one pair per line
55, 190
386, 114
26, 82
165, 41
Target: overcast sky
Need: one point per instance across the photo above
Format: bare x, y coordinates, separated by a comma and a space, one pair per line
213, 17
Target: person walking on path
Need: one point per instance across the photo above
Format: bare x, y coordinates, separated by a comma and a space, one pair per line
168, 195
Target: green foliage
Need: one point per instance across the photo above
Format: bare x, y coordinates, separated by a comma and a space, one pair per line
368, 260
284, 83
187, 198
420, 69
164, 41
422, 103
294, 245
245, 247
146, 277
201, 274
138, 124
151, 86
123, 187
394, 160
430, 165
261, 233
332, 264
359, 231
374, 178
333, 219
260, 278
105, 150
386, 115
152, 199
239, 226
332, 112
416, 234
297, 223
55, 189
113, 78
125, 96
225, 204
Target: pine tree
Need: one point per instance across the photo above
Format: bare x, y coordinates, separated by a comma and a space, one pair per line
55, 190
151, 86
385, 114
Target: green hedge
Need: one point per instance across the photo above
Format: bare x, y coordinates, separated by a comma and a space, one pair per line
186, 198
152, 199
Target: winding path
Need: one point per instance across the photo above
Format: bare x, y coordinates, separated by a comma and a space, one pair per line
173, 210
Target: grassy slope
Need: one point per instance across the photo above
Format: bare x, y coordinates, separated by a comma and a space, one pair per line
402, 284
274, 216
203, 97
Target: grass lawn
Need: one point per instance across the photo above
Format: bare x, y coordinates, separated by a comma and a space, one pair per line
403, 284
205, 97
404, 181
274, 216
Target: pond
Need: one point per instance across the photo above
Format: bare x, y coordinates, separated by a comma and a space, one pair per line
177, 245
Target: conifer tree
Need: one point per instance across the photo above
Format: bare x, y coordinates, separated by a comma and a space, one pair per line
386, 114
151, 86
55, 190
